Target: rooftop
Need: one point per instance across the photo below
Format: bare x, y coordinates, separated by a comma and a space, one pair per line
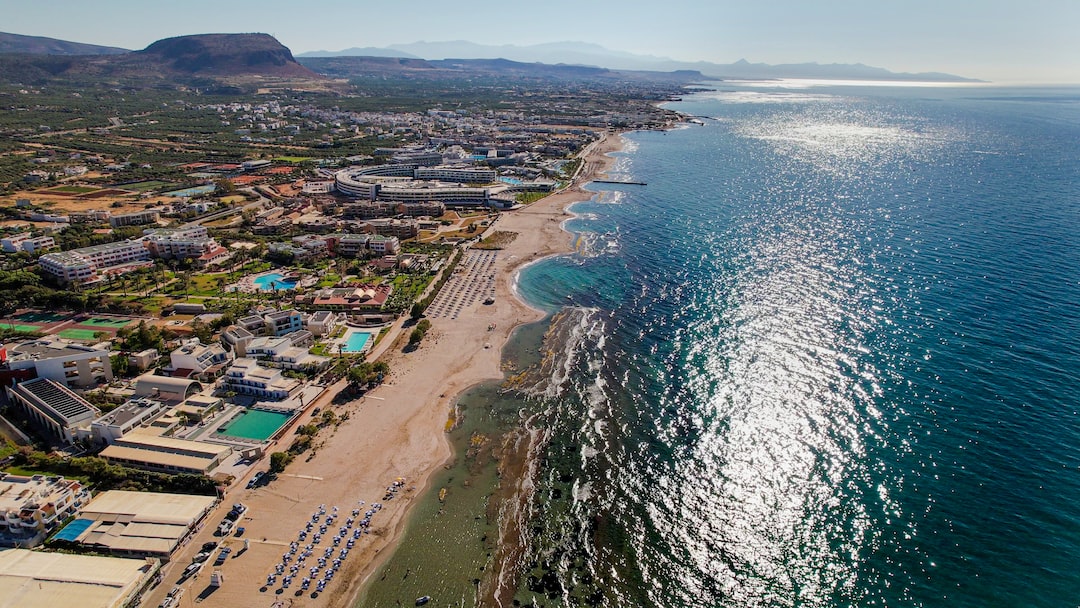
33, 579
148, 507
51, 348
54, 399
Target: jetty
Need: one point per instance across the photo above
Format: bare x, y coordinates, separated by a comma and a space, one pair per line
615, 181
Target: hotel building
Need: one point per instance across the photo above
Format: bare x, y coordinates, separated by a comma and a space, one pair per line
88, 264
53, 407
32, 507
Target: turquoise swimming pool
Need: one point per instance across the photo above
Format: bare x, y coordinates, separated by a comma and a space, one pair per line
255, 424
356, 342
268, 282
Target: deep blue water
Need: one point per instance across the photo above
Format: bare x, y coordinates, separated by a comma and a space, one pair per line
827, 357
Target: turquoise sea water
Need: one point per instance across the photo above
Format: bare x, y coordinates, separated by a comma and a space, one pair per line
827, 357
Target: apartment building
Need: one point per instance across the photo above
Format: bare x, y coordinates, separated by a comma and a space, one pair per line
138, 218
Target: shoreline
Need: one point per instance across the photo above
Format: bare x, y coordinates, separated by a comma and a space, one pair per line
597, 160
397, 430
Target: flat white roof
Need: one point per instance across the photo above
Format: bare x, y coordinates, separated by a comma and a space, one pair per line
158, 459
33, 579
150, 440
148, 507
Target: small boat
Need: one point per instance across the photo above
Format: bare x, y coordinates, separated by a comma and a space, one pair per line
420, 601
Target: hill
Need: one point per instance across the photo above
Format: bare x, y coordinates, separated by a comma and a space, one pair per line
183, 60
224, 55
40, 45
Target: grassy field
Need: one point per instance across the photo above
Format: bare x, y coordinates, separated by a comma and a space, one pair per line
74, 189
292, 159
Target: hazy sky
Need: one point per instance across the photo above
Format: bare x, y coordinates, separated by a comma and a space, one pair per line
1000, 40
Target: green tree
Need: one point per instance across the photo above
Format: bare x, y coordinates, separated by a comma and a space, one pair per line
415, 336
120, 364
279, 460
417, 310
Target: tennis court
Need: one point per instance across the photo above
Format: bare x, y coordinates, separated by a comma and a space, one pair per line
41, 317
21, 327
78, 334
104, 322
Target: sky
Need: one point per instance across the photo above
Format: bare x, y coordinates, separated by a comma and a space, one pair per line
1006, 41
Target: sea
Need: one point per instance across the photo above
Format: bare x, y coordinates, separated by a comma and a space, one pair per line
828, 356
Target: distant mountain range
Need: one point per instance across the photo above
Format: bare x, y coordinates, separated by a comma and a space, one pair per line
586, 54
349, 67
197, 58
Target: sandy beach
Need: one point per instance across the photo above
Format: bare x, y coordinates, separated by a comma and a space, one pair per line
396, 431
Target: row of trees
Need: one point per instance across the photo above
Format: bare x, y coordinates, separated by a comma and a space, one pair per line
107, 476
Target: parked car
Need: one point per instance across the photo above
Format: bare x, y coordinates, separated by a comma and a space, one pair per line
256, 479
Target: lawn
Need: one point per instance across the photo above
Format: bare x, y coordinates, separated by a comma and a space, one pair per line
198, 285
74, 189
329, 280
292, 159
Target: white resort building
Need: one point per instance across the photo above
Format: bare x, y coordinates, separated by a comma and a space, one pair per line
32, 507
90, 264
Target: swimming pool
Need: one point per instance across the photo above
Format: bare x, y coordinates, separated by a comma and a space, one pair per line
356, 342
268, 282
255, 424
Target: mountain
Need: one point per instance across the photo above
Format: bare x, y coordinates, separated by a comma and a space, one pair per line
580, 53
40, 45
225, 55
180, 60
367, 51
